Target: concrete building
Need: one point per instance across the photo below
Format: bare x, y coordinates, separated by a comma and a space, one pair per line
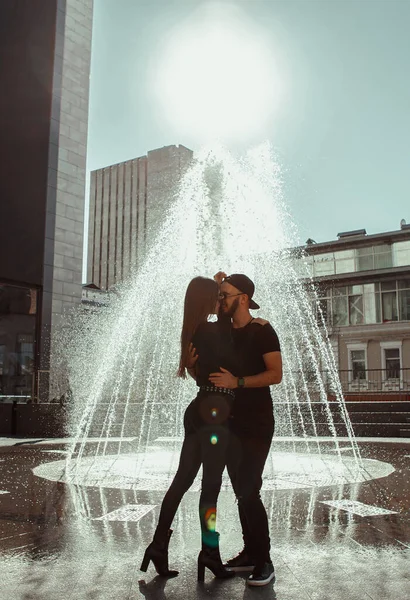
363, 282
44, 73
128, 202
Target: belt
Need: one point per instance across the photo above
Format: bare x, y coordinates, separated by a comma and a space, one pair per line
216, 390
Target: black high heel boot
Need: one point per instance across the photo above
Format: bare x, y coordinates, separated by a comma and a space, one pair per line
211, 559
157, 552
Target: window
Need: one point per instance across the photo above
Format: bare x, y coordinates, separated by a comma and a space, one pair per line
383, 257
356, 316
344, 261
389, 306
358, 360
18, 307
364, 259
324, 264
305, 265
371, 313
25, 354
323, 312
404, 299
323, 306
404, 305
340, 311
401, 254
357, 357
392, 360
367, 303
374, 257
388, 286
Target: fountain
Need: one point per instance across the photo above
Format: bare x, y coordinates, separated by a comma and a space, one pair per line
229, 214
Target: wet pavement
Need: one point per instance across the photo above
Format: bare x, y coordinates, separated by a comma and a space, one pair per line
345, 541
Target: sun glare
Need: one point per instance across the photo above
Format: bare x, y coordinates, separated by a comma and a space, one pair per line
217, 78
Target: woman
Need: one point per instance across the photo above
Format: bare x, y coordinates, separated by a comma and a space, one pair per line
206, 430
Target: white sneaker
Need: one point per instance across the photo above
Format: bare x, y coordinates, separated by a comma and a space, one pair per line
262, 575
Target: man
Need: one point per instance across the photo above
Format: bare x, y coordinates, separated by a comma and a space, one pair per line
252, 419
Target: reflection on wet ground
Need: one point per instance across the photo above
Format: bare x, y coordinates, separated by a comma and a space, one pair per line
328, 542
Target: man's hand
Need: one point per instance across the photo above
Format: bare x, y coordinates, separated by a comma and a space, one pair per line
224, 379
192, 357
219, 277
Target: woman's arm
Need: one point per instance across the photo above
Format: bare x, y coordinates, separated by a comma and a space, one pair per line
191, 361
192, 373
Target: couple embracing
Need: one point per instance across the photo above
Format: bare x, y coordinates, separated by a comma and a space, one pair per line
230, 423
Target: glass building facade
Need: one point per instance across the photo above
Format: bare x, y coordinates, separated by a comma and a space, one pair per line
366, 303
44, 119
354, 260
363, 297
18, 327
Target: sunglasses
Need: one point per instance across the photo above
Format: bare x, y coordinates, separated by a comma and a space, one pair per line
224, 295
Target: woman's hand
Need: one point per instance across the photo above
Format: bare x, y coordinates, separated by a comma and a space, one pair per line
219, 277
224, 379
192, 357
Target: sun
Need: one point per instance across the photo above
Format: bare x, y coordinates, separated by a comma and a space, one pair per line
216, 78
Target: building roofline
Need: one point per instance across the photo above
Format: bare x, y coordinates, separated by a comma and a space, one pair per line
347, 243
144, 156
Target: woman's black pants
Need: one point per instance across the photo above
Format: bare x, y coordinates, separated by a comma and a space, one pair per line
205, 442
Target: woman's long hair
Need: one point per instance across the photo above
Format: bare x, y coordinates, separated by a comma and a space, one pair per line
200, 301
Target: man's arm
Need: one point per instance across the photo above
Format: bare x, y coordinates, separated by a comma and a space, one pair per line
272, 375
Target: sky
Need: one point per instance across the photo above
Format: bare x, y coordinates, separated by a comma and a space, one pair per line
336, 87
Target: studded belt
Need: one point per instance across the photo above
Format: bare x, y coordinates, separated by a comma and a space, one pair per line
217, 390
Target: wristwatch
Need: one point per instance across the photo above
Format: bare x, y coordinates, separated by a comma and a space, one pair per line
241, 382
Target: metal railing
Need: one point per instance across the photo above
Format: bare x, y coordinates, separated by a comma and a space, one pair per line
380, 381
16, 387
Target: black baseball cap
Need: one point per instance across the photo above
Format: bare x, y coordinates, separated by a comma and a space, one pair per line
243, 284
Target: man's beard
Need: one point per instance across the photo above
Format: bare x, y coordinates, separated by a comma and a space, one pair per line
232, 310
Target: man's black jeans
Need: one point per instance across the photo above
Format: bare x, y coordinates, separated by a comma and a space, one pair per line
246, 460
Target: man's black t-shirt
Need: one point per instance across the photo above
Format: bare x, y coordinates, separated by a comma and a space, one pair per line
253, 411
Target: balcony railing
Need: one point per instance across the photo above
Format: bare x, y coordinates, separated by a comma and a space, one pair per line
380, 382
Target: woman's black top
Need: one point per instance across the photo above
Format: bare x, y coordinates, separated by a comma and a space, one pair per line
214, 346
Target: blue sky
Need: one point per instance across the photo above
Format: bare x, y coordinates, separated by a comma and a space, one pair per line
342, 133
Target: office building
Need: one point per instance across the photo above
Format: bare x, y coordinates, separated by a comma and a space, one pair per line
44, 73
128, 203
363, 282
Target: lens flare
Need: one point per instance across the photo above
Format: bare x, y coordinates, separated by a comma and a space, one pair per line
214, 439
210, 519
